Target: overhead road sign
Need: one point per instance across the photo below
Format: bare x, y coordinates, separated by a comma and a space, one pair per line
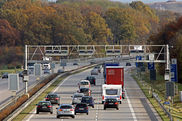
151, 66
13, 82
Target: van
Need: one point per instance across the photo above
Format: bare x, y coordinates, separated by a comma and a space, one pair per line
84, 84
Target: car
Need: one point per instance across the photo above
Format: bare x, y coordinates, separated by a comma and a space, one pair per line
92, 62
20, 74
81, 108
44, 106
111, 103
98, 68
60, 71
5, 75
65, 110
53, 98
92, 79
128, 64
94, 72
88, 100
85, 91
84, 83
75, 63
77, 98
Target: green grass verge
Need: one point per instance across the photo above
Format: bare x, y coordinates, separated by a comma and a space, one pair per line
10, 71
159, 86
41, 97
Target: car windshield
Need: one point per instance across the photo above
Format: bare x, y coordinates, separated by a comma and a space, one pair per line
78, 96
44, 103
84, 90
66, 107
84, 83
52, 96
111, 91
81, 105
86, 99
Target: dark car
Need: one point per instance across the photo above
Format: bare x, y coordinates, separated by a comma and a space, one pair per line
88, 100
60, 71
128, 64
44, 106
75, 63
53, 98
111, 103
20, 74
81, 108
92, 79
98, 68
5, 75
85, 91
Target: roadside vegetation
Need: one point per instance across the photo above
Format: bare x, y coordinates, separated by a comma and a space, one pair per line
158, 86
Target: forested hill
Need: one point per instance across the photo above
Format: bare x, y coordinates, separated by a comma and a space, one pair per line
74, 22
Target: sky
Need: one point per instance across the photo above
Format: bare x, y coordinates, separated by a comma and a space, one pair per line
145, 1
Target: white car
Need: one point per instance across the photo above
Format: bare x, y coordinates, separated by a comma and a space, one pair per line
84, 84
65, 110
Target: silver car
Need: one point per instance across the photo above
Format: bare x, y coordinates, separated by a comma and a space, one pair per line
65, 110
94, 71
77, 98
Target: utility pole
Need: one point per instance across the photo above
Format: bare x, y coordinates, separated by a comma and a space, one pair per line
25, 76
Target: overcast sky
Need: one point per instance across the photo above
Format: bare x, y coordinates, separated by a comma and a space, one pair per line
145, 1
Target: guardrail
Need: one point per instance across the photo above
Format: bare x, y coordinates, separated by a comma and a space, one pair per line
162, 106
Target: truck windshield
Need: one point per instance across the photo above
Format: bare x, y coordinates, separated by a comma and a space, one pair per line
111, 91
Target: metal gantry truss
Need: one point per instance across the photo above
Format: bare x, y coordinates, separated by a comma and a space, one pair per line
37, 52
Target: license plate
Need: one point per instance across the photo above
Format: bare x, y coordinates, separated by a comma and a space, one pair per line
81, 108
110, 103
66, 111
44, 107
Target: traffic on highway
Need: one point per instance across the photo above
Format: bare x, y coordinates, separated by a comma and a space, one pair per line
80, 97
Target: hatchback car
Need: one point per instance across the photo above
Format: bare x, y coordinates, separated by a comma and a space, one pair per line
5, 75
44, 106
85, 91
65, 110
53, 98
111, 103
81, 108
88, 100
77, 98
92, 79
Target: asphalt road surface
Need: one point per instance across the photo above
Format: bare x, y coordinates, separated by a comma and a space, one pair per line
134, 108
5, 93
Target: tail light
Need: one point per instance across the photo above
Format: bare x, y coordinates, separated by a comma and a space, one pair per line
102, 97
60, 110
71, 109
46, 98
49, 106
38, 106
87, 108
116, 103
57, 98
106, 103
120, 97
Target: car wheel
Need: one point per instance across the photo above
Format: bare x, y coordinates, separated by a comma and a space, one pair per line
57, 116
117, 108
73, 116
92, 106
120, 102
87, 113
75, 113
102, 102
37, 112
104, 108
51, 112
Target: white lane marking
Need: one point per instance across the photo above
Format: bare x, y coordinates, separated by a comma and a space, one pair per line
131, 108
53, 91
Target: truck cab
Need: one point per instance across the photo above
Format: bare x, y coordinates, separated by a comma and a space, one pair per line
111, 91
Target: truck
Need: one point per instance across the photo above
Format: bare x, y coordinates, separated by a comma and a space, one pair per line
108, 64
111, 91
115, 76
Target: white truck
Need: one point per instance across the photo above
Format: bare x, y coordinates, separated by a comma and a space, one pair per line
111, 91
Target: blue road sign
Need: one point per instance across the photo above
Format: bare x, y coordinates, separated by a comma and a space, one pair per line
138, 58
151, 66
167, 103
174, 76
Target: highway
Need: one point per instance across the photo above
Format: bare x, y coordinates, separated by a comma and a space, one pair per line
134, 108
6, 94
